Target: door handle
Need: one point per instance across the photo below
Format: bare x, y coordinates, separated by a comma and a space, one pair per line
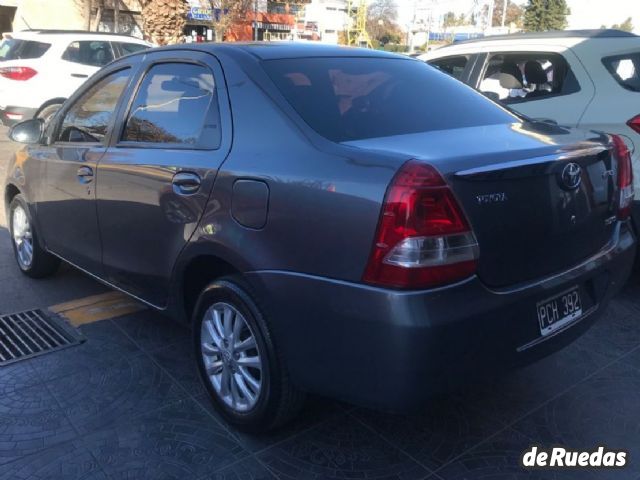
85, 174
79, 75
185, 183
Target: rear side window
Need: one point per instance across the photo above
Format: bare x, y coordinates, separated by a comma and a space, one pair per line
175, 104
523, 77
454, 66
15, 49
625, 69
92, 53
128, 48
352, 98
88, 118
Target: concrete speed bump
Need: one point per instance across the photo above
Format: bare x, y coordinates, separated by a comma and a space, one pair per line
97, 307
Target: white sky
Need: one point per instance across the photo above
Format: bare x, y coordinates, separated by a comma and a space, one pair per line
584, 13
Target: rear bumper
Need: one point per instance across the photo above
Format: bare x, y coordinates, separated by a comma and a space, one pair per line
11, 115
392, 350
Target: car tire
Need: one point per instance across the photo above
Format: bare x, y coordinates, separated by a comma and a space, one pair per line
220, 356
32, 259
48, 112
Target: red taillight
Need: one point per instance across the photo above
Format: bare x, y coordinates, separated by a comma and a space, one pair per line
423, 237
17, 73
625, 177
634, 123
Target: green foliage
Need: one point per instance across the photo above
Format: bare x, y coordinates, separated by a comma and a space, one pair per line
626, 26
514, 13
543, 15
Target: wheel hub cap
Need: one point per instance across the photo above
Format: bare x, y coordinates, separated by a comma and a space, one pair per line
231, 357
22, 237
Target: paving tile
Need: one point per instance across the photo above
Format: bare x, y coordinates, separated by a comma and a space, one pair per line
315, 411
16, 376
603, 410
69, 461
445, 428
246, 469
177, 442
30, 421
499, 459
104, 342
341, 448
178, 360
152, 331
112, 389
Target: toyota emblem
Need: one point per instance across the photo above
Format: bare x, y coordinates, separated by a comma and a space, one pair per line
571, 176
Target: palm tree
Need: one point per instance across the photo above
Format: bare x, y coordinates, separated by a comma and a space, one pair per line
163, 21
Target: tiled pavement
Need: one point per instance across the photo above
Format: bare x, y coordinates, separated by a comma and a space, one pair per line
127, 405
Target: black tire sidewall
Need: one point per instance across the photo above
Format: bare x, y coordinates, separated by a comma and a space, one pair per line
229, 291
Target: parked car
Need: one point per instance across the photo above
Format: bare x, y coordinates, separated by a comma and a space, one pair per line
581, 78
40, 69
324, 222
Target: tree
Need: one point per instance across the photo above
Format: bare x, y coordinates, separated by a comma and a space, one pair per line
228, 13
451, 20
514, 13
626, 26
163, 21
382, 26
543, 15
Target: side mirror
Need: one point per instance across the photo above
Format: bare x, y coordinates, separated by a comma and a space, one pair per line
29, 131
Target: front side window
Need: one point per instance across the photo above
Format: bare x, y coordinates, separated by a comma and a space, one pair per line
353, 98
88, 119
91, 53
522, 77
175, 104
625, 69
453, 66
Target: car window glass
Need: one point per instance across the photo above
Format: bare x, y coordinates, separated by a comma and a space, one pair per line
128, 48
625, 69
15, 49
176, 103
356, 98
88, 119
92, 53
453, 66
522, 77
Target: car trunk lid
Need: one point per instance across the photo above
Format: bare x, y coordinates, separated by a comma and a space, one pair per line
539, 198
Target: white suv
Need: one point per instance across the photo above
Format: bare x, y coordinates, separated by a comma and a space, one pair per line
588, 79
40, 69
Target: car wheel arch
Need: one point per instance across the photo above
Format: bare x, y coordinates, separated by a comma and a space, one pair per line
196, 274
10, 192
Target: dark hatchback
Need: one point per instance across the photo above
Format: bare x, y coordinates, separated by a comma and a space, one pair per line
336, 221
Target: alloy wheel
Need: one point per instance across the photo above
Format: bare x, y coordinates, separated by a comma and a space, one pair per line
22, 237
231, 357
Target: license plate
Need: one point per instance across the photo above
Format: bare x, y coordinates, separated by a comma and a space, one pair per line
556, 312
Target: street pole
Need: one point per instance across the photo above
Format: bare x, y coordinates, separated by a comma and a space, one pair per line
504, 11
490, 14
255, 20
116, 15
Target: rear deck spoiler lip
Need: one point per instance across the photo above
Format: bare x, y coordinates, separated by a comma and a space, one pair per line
564, 155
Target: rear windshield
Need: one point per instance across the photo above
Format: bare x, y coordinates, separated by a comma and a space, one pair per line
15, 49
353, 98
625, 69
130, 47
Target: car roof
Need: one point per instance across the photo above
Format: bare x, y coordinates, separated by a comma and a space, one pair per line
550, 35
52, 35
282, 50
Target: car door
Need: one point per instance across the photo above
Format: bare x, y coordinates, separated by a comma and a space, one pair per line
156, 177
570, 88
67, 211
80, 60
